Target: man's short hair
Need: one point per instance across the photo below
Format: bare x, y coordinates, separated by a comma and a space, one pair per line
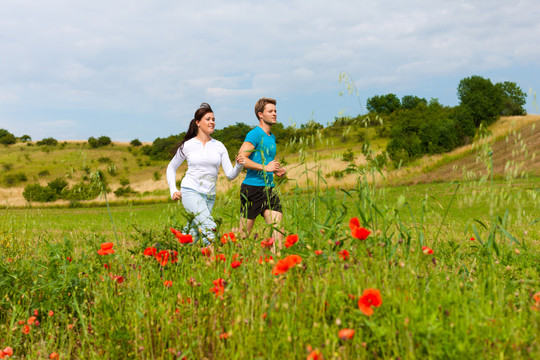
261, 103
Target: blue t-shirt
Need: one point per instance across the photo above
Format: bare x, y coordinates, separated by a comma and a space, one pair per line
264, 152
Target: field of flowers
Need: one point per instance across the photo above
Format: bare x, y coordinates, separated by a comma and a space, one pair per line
449, 272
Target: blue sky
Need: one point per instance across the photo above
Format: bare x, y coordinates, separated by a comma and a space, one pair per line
139, 69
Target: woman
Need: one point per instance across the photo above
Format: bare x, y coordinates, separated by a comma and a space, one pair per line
204, 155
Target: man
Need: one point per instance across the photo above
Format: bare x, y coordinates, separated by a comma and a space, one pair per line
257, 193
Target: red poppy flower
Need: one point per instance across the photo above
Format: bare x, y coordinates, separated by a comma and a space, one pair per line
219, 287
51, 313
344, 254
220, 257
162, 257
182, 239
224, 335
291, 240
354, 223
26, 329
228, 236
167, 283
427, 250
31, 320
68, 259
174, 257
151, 251
236, 264
36, 312
53, 356
106, 249
219, 282
357, 231
369, 298
472, 239
360, 233
285, 264
118, 279
346, 334
268, 243
318, 252
206, 251
8, 351
315, 355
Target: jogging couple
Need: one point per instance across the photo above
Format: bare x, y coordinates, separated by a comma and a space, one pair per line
204, 155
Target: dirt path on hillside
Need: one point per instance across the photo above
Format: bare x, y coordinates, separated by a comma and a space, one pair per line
515, 154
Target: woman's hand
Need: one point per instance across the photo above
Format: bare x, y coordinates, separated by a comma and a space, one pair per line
240, 159
177, 195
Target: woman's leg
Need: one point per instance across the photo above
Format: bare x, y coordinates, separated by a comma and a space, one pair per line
198, 205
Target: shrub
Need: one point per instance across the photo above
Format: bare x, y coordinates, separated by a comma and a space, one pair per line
81, 191
48, 141
44, 173
104, 160
7, 166
58, 185
135, 142
101, 141
348, 156
124, 181
8, 139
14, 179
157, 175
36, 192
125, 191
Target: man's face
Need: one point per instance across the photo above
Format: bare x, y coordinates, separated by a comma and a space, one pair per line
269, 115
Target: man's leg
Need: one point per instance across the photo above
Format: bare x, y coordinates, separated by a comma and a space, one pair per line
274, 218
246, 225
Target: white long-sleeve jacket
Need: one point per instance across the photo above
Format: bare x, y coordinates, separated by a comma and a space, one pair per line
203, 165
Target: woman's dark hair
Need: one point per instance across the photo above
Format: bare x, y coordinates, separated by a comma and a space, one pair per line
193, 129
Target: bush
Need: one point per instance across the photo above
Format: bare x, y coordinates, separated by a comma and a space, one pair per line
135, 142
8, 139
104, 160
157, 175
99, 142
81, 191
14, 179
48, 141
7, 166
58, 185
125, 191
44, 173
348, 156
36, 192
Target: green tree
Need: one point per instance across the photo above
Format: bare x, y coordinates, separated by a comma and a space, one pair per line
513, 99
410, 101
7, 138
482, 98
383, 104
48, 141
135, 142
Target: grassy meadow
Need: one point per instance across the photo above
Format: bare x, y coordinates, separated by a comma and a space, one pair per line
467, 299
447, 269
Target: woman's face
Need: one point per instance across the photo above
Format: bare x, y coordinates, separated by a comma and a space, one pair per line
207, 123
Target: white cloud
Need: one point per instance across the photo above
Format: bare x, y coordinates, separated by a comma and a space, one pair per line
161, 59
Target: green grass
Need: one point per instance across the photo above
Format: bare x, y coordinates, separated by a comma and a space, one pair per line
470, 299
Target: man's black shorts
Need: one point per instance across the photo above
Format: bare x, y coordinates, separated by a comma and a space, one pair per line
255, 200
